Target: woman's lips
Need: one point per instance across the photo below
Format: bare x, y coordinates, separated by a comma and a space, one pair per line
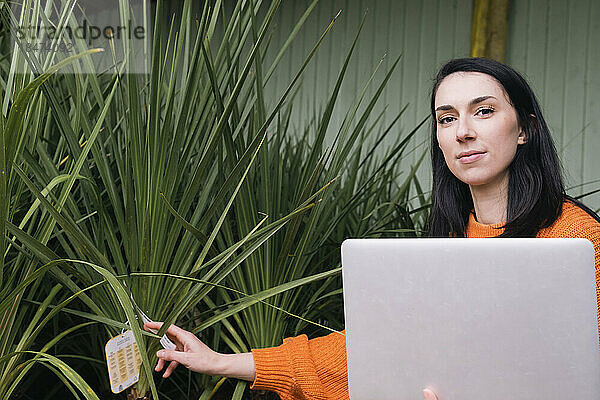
471, 158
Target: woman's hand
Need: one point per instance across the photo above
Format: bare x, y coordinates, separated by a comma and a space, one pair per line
198, 357
429, 395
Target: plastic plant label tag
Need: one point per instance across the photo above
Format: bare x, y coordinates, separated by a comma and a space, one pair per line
123, 360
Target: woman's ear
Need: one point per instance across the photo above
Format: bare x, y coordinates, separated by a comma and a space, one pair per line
522, 139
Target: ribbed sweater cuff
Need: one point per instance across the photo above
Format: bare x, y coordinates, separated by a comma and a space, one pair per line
273, 370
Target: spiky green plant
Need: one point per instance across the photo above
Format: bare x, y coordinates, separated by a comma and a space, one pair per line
21, 273
137, 173
162, 187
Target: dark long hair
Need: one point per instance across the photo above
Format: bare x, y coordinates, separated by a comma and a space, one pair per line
535, 184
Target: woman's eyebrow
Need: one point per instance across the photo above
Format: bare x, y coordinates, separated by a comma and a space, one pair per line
476, 100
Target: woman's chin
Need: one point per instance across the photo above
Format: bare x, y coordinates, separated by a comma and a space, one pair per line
475, 180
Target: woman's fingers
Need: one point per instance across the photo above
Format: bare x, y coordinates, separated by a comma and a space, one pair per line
429, 395
176, 358
171, 355
170, 369
175, 333
159, 365
152, 325
163, 357
190, 352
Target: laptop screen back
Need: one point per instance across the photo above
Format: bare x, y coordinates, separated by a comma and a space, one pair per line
472, 319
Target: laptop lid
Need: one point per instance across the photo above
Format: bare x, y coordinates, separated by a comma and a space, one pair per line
472, 319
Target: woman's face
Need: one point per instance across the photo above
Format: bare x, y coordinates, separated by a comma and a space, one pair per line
477, 128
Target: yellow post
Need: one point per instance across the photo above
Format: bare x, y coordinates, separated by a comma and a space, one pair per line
488, 29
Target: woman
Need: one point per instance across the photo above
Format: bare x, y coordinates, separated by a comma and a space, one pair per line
495, 173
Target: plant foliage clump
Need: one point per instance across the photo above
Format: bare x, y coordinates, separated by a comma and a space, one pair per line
184, 192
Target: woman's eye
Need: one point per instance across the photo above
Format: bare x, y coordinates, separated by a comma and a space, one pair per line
445, 120
485, 111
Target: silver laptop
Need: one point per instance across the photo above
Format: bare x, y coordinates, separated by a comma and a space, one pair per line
472, 319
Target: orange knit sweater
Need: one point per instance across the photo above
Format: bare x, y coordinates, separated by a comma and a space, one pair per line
316, 369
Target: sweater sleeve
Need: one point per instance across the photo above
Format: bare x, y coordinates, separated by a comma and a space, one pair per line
304, 369
576, 223
592, 233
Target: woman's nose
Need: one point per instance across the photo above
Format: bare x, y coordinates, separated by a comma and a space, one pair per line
464, 131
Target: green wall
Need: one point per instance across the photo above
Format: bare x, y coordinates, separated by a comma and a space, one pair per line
555, 44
